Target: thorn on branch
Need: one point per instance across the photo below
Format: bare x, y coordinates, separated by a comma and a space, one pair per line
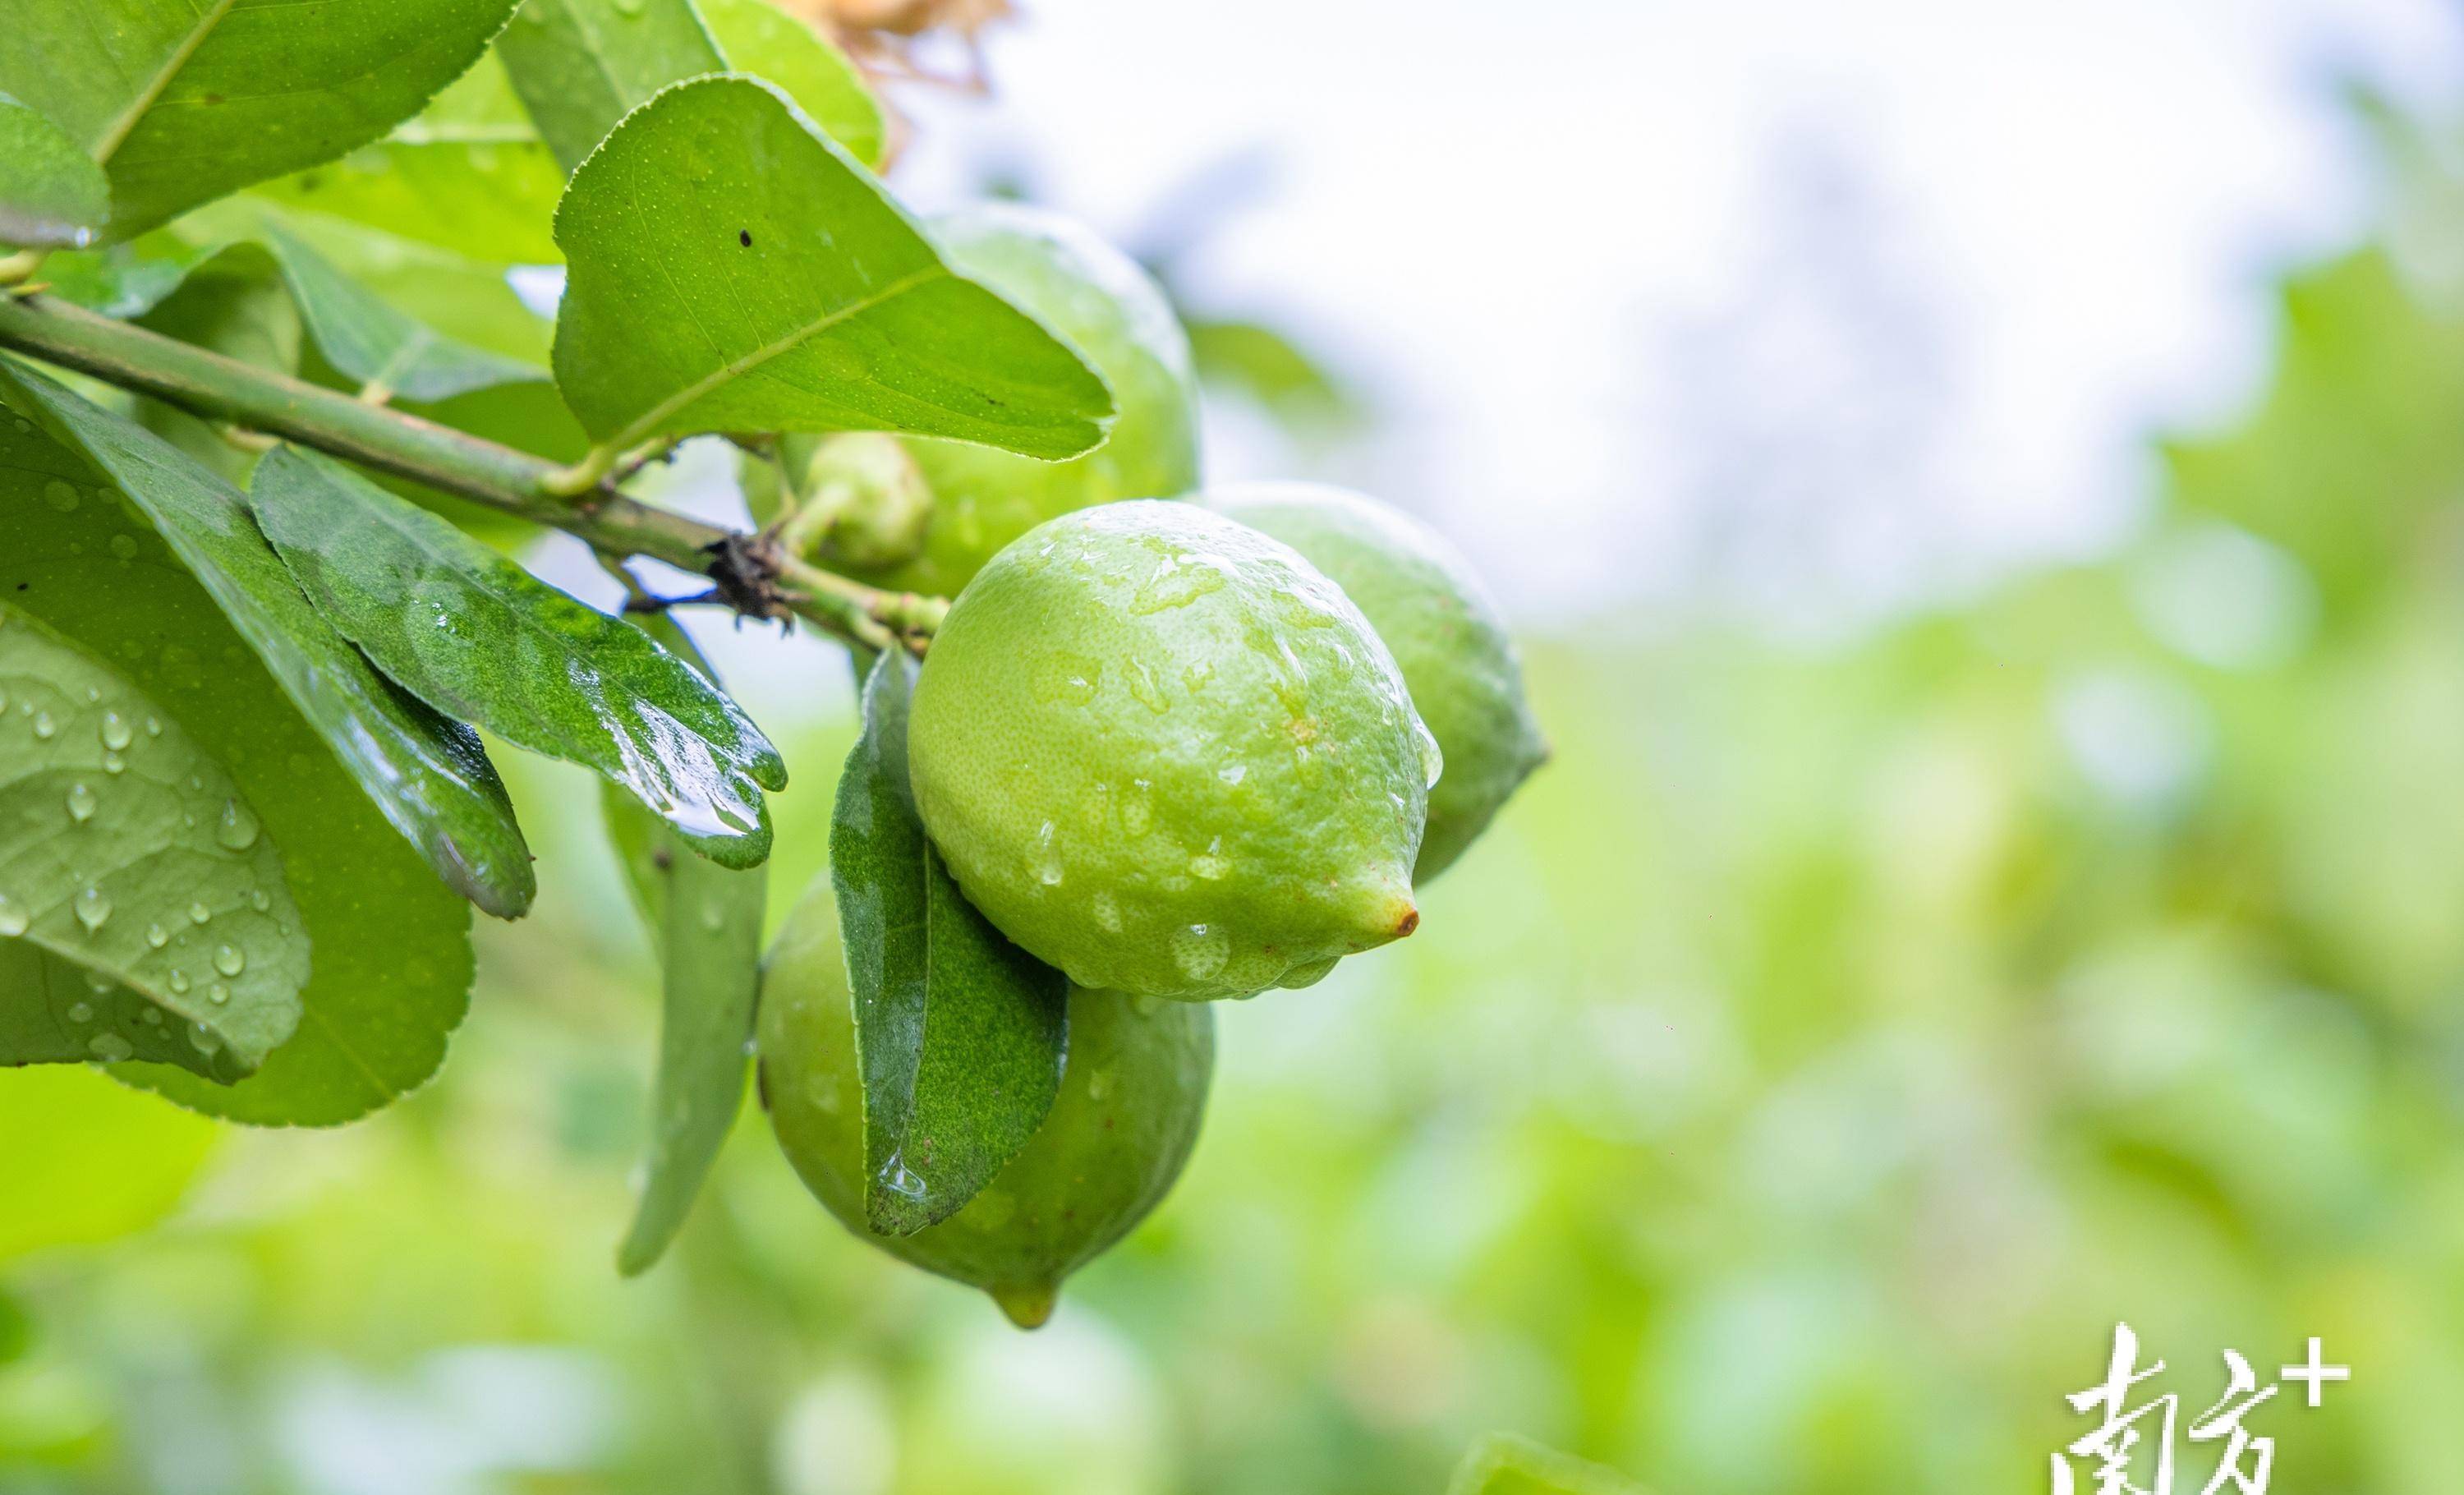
744, 575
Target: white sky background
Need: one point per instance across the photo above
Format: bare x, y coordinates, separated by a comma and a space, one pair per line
1828, 304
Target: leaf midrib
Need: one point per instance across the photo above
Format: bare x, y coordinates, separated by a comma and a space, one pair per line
643, 425
114, 136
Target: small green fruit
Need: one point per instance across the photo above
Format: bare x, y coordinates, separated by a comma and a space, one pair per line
1159, 750
860, 502
1117, 1136
1421, 596
1112, 312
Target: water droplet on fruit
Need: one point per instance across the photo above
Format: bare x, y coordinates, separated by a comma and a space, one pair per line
82, 802
1047, 866
1209, 864
1233, 773
93, 908
1200, 951
230, 961
1066, 679
237, 829
1107, 913
1138, 807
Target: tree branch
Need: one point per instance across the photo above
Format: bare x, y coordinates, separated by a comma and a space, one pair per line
745, 568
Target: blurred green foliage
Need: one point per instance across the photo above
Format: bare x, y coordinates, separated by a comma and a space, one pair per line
1789, 1095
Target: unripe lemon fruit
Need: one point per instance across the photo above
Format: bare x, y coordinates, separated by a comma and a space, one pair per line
1114, 314
1159, 750
1421, 596
1117, 1136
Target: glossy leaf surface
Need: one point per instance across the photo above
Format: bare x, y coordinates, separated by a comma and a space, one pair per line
705, 922
960, 1035
184, 100
732, 269
120, 840
389, 956
478, 637
425, 774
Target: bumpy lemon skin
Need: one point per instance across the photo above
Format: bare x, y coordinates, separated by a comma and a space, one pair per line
1118, 1138
1162, 751
1111, 311
1433, 613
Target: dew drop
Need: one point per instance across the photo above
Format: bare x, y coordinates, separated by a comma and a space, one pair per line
1107, 913
1200, 951
13, 917
1066, 679
98, 984
124, 546
179, 983
93, 908
1099, 1084
81, 1012
218, 993
1138, 807
900, 1179
113, 763
153, 726
1209, 864
110, 1047
237, 829
198, 913
203, 1036
1047, 868
60, 496
712, 917
115, 730
157, 936
230, 961
44, 726
257, 901
82, 802
1233, 773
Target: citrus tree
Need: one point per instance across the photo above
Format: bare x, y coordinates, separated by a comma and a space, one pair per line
276, 429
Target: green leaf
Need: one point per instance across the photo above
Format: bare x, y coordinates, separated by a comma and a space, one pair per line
371, 342
1507, 1463
479, 638
124, 280
762, 39
390, 953
706, 923
183, 100
960, 1034
51, 193
467, 174
426, 775
581, 65
130, 853
732, 269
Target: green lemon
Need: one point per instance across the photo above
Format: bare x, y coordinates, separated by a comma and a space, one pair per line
1421, 596
1117, 1139
1112, 312
1159, 750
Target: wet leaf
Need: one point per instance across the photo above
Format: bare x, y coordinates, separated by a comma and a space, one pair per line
960, 1035
51, 193
732, 269
389, 966
483, 640
425, 774
128, 853
705, 921
183, 103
